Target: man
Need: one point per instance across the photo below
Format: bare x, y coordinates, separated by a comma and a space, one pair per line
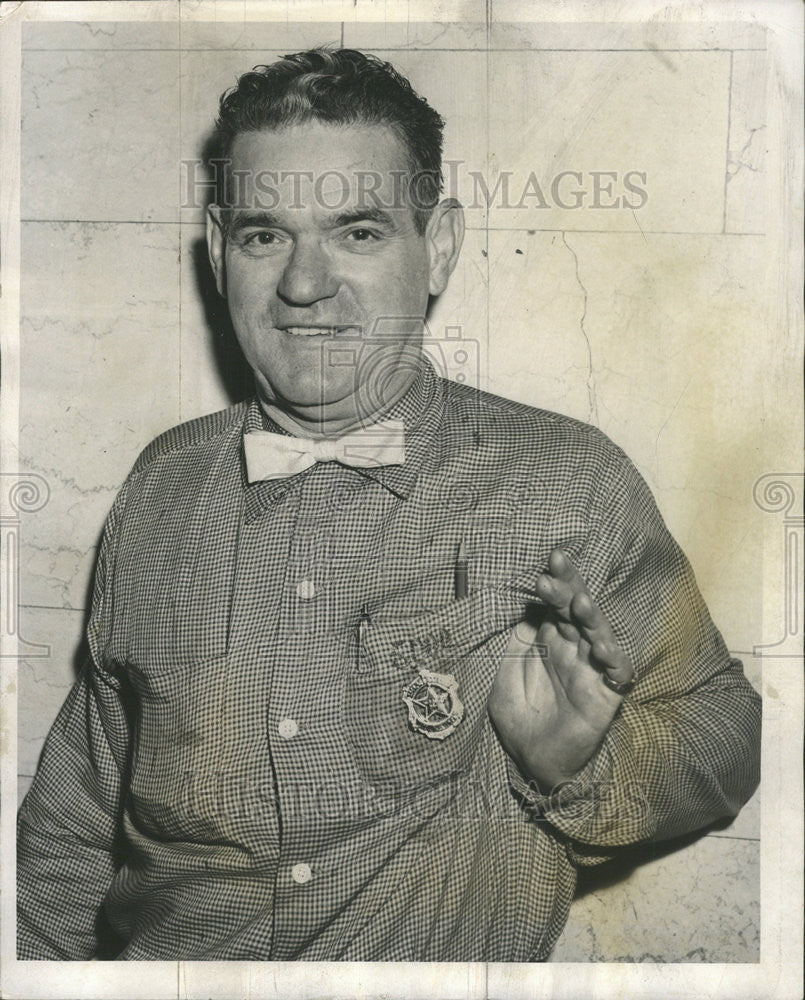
377, 660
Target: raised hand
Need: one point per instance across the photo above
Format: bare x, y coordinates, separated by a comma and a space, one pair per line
559, 685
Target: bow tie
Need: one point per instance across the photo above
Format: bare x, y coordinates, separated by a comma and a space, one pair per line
277, 456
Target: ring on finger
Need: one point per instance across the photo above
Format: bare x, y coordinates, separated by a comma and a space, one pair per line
619, 687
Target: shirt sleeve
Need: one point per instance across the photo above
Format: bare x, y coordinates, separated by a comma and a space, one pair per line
684, 748
68, 822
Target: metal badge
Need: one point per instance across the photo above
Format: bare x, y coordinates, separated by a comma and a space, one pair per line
434, 707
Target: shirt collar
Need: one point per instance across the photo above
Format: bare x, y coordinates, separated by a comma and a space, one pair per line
420, 408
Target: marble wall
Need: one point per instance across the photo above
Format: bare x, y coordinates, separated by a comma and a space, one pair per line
651, 315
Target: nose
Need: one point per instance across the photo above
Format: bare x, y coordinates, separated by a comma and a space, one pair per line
308, 275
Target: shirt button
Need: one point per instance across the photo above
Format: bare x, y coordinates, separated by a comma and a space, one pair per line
288, 728
306, 589
301, 873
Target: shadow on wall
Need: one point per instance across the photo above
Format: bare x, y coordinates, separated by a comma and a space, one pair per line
627, 859
234, 373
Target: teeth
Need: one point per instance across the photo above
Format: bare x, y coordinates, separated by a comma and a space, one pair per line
311, 331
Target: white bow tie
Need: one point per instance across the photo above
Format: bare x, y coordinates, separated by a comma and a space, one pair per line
277, 456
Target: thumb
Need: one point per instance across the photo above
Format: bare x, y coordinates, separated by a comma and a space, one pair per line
523, 637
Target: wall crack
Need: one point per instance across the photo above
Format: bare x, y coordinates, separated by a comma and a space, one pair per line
592, 397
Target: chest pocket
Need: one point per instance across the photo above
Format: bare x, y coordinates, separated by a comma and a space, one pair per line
177, 740
416, 690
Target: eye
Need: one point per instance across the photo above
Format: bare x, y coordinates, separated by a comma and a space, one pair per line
263, 239
262, 242
362, 235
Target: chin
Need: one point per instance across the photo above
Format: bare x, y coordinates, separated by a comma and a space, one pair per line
312, 397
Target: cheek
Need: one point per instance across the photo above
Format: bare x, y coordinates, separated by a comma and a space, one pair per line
249, 301
251, 283
404, 286
243, 290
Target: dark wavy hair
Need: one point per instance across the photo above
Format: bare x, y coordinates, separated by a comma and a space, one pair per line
342, 87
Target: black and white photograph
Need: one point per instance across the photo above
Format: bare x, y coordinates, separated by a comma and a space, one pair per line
402, 499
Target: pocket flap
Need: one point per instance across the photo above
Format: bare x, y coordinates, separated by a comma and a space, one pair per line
446, 633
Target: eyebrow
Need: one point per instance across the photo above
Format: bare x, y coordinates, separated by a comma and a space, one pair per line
267, 220
367, 214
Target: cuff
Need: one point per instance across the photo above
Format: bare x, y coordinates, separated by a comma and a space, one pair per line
604, 803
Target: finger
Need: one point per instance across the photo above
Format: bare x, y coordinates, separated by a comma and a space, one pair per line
522, 638
580, 618
568, 630
608, 656
512, 683
561, 566
588, 617
595, 628
561, 582
555, 593
566, 640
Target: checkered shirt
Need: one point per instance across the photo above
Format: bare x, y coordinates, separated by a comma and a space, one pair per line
235, 774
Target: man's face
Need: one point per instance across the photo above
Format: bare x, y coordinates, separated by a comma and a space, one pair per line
312, 265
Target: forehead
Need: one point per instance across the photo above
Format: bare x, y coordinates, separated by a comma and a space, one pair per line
332, 160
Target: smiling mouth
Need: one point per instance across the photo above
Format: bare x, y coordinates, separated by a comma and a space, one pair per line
315, 331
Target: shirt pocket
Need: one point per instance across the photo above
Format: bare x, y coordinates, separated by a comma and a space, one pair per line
178, 744
416, 690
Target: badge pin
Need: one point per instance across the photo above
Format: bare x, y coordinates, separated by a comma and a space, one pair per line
434, 707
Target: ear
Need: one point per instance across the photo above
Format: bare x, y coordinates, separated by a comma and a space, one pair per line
444, 235
216, 247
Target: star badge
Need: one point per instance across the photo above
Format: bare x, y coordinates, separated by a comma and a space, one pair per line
434, 707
